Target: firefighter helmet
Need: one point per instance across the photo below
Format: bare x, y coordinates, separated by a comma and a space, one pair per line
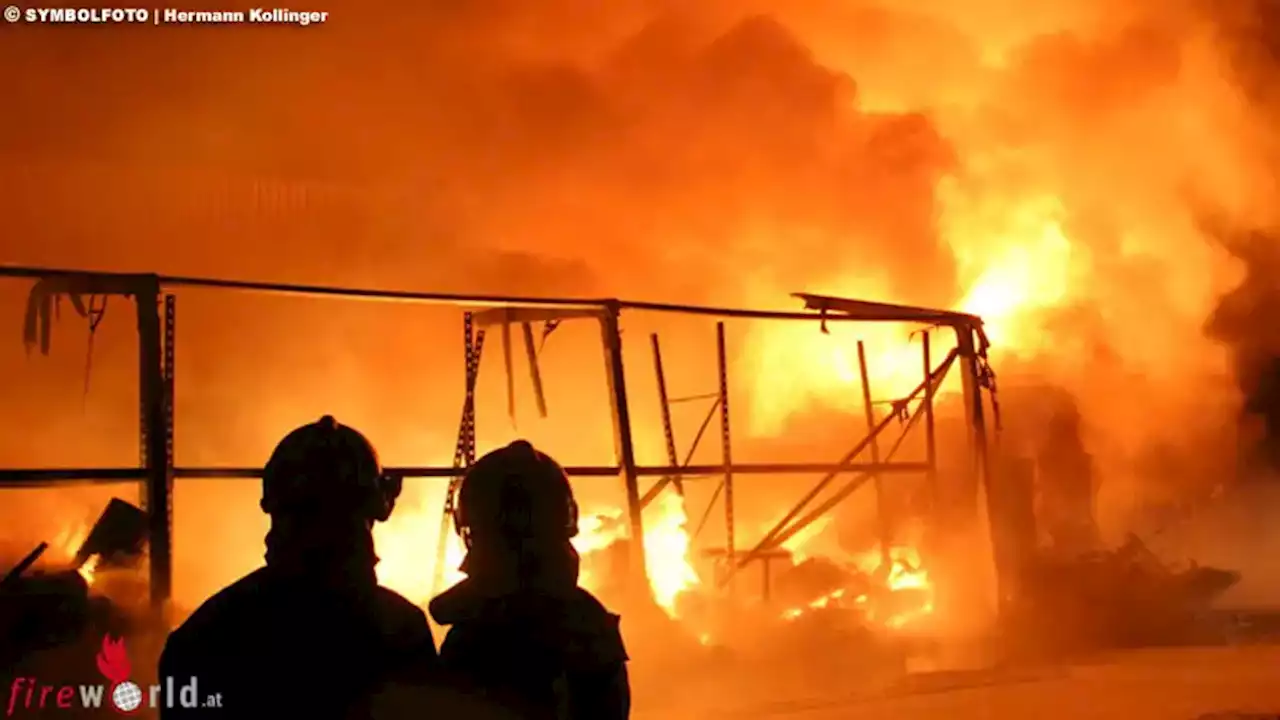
518, 493
327, 467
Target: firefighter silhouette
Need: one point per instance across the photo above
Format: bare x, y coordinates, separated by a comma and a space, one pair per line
522, 632
311, 634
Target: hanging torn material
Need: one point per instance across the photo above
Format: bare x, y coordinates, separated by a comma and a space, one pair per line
507, 364
535, 374
526, 316
43, 304
547, 328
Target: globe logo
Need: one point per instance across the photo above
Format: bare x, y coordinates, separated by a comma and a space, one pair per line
126, 696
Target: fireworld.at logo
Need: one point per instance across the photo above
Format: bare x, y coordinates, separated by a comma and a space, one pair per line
122, 694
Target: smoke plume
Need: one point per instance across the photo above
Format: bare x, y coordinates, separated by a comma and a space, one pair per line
1047, 165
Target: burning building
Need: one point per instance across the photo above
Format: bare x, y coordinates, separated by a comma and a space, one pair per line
1048, 168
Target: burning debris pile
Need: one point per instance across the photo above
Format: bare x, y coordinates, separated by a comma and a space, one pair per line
889, 592
1126, 597
48, 602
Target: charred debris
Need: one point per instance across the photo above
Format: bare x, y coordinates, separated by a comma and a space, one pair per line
48, 605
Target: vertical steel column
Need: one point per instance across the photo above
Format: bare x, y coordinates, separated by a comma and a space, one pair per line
155, 412
611, 335
509, 363
464, 453
535, 372
930, 430
976, 425
883, 524
980, 469
726, 448
144, 436
667, 430
168, 372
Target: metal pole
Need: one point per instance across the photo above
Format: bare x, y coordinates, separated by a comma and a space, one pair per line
680, 469
852, 486
158, 456
930, 430
667, 429
510, 366
726, 446
882, 509
535, 372
464, 453
975, 423
769, 540
611, 334
980, 468
168, 372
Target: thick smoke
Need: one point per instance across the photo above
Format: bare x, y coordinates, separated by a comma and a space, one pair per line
1242, 318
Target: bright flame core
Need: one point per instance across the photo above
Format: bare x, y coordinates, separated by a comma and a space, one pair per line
882, 606
67, 544
406, 542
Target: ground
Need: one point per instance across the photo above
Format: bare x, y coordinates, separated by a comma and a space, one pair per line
1166, 684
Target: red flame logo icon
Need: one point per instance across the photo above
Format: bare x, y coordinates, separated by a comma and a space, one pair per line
113, 660
113, 663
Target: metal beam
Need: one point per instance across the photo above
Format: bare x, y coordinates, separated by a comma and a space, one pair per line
979, 475
615, 373
535, 372
314, 291
780, 527
159, 448
518, 314
866, 311
726, 446
930, 430
24, 477
858, 481
668, 431
851, 310
688, 458
883, 526
464, 451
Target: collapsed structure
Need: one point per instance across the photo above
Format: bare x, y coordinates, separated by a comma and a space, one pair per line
1006, 486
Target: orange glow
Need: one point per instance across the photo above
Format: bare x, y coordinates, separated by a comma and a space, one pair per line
1047, 166
406, 545
666, 545
67, 543
1016, 263
90, 568
904, 575
407, 541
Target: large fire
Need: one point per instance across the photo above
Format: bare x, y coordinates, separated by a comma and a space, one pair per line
405, 564
1078, 139
1020, 264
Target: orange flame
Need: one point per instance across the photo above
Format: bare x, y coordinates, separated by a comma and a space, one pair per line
89, 569
904, 574
68, 542
666, 546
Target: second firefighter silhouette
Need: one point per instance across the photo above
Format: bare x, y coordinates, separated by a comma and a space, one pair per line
311, 634
523, 633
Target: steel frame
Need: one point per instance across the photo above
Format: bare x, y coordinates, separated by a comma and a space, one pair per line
156, 311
